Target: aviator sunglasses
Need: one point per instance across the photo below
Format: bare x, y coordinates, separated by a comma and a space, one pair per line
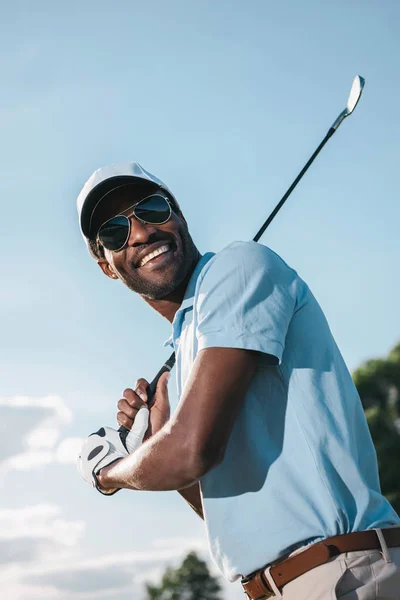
114, 233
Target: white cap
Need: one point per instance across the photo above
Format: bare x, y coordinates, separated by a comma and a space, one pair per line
106, 179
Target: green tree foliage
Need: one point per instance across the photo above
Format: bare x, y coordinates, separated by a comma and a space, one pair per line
191, 581
378, 383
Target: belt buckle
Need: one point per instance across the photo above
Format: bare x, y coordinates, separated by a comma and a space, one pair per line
261, 587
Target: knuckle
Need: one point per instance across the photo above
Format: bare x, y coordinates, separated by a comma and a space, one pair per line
125, 408
124, 420
141, 389
125, 404
127, 392
141, 385
130, 412
138, 403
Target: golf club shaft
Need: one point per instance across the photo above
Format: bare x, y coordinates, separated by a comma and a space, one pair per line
168, 365
291, 188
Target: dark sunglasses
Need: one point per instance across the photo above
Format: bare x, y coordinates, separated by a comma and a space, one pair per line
114, 233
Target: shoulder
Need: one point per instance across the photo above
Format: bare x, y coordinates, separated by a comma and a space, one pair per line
244, 249
251, 257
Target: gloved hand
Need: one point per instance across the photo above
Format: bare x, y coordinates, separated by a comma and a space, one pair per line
106, 446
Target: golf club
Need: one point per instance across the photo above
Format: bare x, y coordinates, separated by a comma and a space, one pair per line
355, 94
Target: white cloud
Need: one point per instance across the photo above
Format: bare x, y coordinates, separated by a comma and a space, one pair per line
50, 566
74, 578
41, 554
55, 404
42, 521
29, 431
44, 436
28, 460
18, 591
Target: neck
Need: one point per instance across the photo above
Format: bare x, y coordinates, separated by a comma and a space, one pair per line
168, 306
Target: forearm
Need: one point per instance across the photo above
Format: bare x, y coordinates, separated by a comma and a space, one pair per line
193, 498
195, 439
160, 464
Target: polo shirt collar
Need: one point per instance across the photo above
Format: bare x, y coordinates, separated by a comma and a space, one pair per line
188, 298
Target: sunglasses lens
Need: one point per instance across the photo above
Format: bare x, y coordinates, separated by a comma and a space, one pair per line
153, 210
114, 234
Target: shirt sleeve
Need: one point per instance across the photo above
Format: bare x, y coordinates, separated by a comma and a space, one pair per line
246, 299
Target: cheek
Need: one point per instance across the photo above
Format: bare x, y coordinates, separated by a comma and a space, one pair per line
176, 230
179, 229
116, 261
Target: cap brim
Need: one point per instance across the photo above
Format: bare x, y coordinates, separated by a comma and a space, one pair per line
97, 194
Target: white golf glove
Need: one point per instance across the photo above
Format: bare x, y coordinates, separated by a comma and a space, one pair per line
108, 445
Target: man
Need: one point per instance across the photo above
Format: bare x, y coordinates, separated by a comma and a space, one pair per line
269, 442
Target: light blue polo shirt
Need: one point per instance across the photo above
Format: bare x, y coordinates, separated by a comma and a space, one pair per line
300, 465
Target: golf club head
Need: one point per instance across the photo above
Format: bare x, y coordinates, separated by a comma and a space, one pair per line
354, 96
355, 93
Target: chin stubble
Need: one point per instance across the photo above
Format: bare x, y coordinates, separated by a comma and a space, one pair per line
159, 290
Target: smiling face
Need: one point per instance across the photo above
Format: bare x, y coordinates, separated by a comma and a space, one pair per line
157, 259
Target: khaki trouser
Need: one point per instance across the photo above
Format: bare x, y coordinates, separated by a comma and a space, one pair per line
366, 575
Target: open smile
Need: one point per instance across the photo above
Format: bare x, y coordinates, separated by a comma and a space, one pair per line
159, 256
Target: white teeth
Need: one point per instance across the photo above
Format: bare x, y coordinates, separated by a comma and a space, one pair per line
157, 252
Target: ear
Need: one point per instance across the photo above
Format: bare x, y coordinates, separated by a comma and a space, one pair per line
107, 268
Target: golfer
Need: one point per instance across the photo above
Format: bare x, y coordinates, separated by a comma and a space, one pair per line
269, 443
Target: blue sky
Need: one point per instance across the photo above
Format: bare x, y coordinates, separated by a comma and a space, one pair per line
224, 101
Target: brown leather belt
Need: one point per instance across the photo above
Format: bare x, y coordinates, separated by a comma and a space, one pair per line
256, 586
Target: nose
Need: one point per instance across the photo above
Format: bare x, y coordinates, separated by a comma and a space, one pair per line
140, 232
